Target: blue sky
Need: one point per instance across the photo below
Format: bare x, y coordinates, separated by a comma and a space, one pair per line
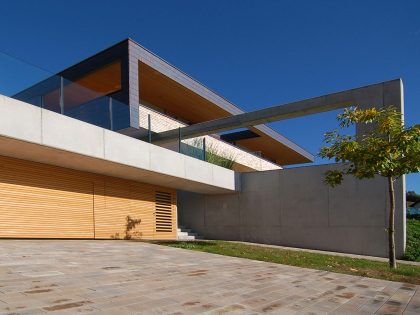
254, 53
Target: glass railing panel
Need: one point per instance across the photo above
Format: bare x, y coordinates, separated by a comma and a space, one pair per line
45, 94
120, 115
38, 87
95, 112
194, 149
75, 94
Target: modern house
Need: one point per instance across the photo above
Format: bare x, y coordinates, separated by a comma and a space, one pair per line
128, 74
122, 91
92, 148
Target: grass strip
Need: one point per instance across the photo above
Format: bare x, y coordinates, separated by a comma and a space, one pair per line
340, 264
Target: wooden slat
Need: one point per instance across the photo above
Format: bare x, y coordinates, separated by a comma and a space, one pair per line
36, 202
164, 212
125, 198
44, 201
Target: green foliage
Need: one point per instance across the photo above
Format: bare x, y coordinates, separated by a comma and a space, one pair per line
412, 196
341, 264
412, 251
389, 150
213, 154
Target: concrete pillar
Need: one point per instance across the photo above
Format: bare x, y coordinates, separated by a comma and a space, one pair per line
390, 93
393, 94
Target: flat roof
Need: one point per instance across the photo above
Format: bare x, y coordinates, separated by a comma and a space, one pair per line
212, 106
185, 97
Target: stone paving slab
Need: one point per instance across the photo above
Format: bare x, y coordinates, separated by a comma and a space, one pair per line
122, 277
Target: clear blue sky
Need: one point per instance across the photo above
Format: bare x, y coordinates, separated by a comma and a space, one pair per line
254, 53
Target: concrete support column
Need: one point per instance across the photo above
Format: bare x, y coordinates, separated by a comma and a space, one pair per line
393, 94
390, 93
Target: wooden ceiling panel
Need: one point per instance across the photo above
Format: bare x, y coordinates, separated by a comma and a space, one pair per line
174, 99
183, 104
271, 149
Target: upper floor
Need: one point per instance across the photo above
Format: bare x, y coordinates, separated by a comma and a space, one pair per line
128, 89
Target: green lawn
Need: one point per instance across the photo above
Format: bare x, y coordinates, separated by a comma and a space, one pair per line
412, 251
352, 266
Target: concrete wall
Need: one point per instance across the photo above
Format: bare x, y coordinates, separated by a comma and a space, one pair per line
292, 207
31, 133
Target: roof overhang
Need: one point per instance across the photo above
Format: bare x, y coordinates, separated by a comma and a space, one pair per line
187, 99
389, 93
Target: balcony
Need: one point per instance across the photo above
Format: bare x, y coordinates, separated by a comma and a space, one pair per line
71, 99
244, 161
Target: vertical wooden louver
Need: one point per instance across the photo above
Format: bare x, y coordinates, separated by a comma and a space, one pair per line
163, 213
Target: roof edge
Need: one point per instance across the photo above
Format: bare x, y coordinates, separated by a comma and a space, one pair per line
263, 128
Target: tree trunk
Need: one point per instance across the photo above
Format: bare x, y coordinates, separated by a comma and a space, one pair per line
391, 225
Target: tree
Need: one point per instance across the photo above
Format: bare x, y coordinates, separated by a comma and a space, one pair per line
390, 150
412, 196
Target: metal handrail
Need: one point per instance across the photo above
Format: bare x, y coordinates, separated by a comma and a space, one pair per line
210, 135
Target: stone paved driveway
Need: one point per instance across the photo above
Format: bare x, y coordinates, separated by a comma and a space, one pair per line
120, 277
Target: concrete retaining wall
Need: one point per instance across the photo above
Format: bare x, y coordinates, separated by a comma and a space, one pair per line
292, 207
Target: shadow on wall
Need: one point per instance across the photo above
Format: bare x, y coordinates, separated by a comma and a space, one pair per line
129, 226
293, 207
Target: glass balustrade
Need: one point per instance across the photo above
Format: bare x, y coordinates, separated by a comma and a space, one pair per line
38, 87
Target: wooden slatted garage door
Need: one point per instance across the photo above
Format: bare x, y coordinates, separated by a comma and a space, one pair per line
44, 201
37, 201
136, 201
122, 200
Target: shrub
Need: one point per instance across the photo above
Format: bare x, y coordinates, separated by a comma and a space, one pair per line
213, 154
412, 251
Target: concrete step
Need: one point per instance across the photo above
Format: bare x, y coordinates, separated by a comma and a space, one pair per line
183, 230
185, 234
190, 237
186, 238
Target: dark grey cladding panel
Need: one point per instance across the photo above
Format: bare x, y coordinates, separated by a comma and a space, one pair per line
133, 74
138, 53
117, 51
239, 135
